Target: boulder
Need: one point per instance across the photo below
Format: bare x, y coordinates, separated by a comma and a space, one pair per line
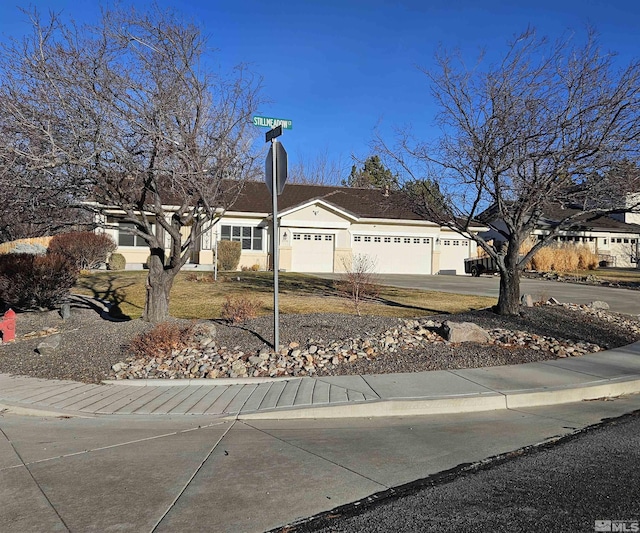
598, 304
204, 333
464, 332
527, 300
49, 345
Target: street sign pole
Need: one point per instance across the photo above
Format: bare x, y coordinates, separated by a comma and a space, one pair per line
276, 246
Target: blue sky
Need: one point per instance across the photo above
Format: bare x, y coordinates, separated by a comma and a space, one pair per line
338, 69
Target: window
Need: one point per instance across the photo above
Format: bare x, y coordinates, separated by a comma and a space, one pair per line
396, 239
367, 239
456, 243
387, 239
447, 243
250, 237
296, 236
465, 243
416, 241
328, 237
357, 238
426, 241
407, 240
626, 241
376, 239
307, 237
317, 237
128, 239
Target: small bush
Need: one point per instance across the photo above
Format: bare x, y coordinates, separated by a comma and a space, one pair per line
35, 281
161, 340
229, 255
85, 248
255, 267
200, 277
239, 309
358, 280
117, 262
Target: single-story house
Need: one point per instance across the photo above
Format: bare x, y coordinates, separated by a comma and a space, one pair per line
615, 240
321, 229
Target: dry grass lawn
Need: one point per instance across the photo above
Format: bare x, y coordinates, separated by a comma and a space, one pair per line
196, 295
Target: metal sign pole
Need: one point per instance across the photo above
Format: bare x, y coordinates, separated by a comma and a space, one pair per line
276, 245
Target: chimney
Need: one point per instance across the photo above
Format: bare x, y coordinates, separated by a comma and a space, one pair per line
386, 190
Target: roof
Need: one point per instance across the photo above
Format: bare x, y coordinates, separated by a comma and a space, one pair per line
583, 221
362, 203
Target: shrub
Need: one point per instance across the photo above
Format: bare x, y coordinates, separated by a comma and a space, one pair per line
587, 258
161, 340
85, 248
239, 309
229, 255
358, 281
117, 262
35, 281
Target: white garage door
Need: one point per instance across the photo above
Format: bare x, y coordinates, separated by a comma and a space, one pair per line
312, 252
396, 255
452, 255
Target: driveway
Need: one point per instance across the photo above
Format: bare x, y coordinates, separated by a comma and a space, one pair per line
621, 300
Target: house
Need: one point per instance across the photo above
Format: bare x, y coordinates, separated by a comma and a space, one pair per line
615, 240
322, 228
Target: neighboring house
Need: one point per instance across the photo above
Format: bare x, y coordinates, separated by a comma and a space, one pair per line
616, 242
322, 228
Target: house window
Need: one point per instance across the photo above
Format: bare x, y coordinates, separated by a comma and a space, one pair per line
387, 239
396, 239
426, 241
456, 243
128, 239
296, 236
447, 243
367, 239
416, 241
328, 237
250, 237
317, 237
357, 238
626, 241
376, 239
407, 240
307, 237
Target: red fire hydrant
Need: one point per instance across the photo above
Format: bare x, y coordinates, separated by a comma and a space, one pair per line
8, 326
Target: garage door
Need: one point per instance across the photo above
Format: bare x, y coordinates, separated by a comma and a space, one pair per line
396, 255
452, 255
312, 252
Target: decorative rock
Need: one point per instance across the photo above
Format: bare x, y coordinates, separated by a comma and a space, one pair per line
49, 345
65, 311
527, 300
598, 304
464, 332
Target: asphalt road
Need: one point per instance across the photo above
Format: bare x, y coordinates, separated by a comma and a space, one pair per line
621, 300
566, 486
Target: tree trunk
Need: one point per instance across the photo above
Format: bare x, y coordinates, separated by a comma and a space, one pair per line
509, 297
159, 283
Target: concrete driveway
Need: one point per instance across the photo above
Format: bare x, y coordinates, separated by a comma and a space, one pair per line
621, 300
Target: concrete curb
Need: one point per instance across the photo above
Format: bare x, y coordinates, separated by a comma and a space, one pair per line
160, 382
453, 404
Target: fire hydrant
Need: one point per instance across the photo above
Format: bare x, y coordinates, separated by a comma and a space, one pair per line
8, 326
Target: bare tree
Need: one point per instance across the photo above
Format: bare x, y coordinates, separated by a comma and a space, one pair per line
129, 114
359, 279
546, 125
319, 171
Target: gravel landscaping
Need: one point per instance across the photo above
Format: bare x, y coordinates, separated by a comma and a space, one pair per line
92, 348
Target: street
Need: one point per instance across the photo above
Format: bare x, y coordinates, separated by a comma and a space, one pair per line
566, 486
621, 300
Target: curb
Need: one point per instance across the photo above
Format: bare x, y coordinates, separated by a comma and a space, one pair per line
160, 382
452, 405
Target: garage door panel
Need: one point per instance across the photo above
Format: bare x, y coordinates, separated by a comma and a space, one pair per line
396, 255
312, 252
452, 255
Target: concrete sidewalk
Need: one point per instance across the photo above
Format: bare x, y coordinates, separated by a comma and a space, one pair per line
126, 458
598, 375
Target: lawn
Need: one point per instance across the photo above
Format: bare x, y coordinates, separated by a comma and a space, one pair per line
195, 295
618, 275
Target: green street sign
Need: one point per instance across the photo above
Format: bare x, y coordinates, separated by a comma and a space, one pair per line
269, 122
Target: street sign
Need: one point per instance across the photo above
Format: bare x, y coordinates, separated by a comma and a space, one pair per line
269, 122
272, 134
281, 167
